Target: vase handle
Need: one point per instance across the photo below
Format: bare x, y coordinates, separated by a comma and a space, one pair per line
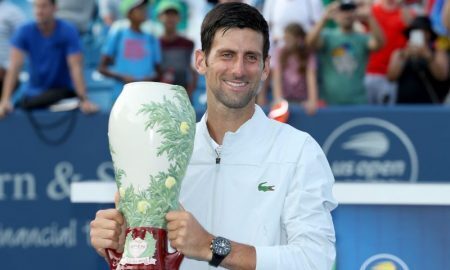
113, 258
173, 260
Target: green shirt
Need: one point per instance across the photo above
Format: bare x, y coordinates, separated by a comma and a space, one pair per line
343, 59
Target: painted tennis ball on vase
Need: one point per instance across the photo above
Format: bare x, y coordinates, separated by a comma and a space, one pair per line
184, 127
170, 182
142, 207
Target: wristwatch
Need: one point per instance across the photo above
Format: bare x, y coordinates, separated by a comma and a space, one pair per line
220, 248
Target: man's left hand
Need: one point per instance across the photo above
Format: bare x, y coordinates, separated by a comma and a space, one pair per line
88, 107
188, 236
363, 12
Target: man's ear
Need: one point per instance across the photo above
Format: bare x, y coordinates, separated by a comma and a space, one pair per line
266, 69
200, 61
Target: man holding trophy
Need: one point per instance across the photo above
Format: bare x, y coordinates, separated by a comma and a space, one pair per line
257, 194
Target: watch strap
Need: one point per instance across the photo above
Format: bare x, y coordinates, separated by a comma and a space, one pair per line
216, 260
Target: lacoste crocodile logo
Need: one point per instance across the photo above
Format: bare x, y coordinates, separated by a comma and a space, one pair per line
264, 188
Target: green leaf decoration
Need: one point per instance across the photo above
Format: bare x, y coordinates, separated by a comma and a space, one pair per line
119, 174
174, 120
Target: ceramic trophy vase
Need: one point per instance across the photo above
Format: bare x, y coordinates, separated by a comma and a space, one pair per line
151, 137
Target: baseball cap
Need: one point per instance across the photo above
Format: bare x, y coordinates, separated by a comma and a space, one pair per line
165, 5
422, 23
347, 5
127, 5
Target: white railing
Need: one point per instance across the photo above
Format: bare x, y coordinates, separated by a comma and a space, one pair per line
345, 193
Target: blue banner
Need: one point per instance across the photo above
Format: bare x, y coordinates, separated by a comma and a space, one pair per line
392, 237
398, 144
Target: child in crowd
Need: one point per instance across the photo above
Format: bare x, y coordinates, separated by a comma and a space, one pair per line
294, 74
177, 51
130, 55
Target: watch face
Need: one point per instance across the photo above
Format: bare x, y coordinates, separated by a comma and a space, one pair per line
221, 246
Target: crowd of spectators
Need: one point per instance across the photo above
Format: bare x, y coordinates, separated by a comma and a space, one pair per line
323, 52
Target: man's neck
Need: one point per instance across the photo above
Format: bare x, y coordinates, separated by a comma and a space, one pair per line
136, 27
47, 28
221, 120
170, 35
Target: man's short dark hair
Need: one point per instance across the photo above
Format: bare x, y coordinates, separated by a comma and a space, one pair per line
233, 15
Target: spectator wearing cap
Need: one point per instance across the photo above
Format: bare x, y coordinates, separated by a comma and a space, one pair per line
344, 52
53, 49
176, 50
420, 69
129, 54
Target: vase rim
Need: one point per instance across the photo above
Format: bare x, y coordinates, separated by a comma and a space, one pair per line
128, 85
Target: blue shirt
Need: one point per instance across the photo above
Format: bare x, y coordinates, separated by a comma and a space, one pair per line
48, 66
135, 54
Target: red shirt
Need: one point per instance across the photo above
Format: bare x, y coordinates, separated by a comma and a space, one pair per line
392, 24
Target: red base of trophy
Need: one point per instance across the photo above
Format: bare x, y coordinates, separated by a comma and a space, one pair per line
161, 259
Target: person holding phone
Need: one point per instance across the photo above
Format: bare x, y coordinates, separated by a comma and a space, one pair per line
421, 68
344, 52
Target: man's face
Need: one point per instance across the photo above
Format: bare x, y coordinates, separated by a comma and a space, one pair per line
44, 10
138, 14
170, 19
346, 18
234, 68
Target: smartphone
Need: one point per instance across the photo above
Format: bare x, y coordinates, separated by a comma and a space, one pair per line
416, 38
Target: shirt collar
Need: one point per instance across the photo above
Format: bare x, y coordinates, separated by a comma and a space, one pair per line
250, 134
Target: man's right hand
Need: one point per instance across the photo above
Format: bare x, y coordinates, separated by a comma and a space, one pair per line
5, 108
108, 231
331, 10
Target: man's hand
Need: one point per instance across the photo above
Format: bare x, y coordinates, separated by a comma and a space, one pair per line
310, 106
108, 231
188, 236
127, 79
331, 10
412, 51
5, 108
364, 12
88, 107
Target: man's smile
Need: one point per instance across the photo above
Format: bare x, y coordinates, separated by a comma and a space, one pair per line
236, 85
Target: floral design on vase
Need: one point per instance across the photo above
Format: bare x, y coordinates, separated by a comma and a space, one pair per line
174, 120
151, 139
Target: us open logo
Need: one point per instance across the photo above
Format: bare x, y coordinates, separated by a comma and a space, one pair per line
371, 149
384, 261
